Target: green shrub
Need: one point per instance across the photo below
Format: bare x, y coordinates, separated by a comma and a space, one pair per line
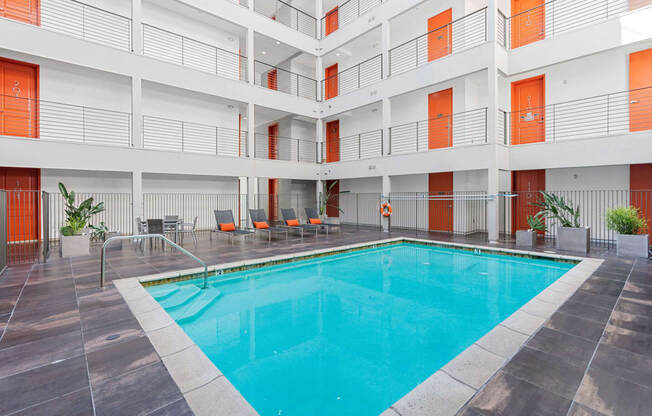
77, 216
626, 220
536, 223
558, 209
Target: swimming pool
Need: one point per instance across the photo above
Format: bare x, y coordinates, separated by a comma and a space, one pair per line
350, 334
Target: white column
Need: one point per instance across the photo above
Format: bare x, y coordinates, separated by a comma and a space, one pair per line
493, 176
319, 138
319, 75
251, 129
387, 123
319, 13
492, 16
136, 26
252, 191
136, 112
387, 189
137, 197
385, 45
250, 55
319, 187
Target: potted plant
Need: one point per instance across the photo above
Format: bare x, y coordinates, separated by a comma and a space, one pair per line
326, 198
570, 235
630, 228
528, 238
75, 235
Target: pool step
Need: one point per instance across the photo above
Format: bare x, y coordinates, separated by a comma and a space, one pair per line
181, 298
165, 292
199, 306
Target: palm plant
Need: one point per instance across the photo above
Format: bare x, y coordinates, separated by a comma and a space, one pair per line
557, 208
536, 223
77, 217
326, 195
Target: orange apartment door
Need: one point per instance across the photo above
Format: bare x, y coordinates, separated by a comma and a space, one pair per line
333, 207
332, 21
635, 4
333, 141
440, 127
22, 10
272, 142
528, 22
23, 203
18, 99
440, 211
640, 185
640, 85
272, 79
439, 35
528, 111
331, 81
272, 194
527, 184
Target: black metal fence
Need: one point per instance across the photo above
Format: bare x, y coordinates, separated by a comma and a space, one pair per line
285, 148
365, 73
279, 79
347, 12
288, 15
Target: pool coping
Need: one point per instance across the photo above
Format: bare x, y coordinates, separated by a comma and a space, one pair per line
208, 392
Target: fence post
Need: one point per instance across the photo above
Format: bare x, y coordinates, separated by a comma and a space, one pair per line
217, 133
46, 224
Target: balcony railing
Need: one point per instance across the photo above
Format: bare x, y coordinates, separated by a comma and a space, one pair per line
359, 146
182, 136
49, 120
467, 128
347, 12
463, 33
279, 79
171, 47
558, 16
288, 15
285, 148
353, 78
603, 115
86, 22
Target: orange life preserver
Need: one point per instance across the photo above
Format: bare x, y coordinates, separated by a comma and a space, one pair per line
386, 209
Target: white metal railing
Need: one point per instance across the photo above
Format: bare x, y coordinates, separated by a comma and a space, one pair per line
347, 12
288, 15
358, 146
285, 148
279, 79
365, 73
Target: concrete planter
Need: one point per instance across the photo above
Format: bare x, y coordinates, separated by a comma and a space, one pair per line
75, 245
573, 239
632, 245
526, 238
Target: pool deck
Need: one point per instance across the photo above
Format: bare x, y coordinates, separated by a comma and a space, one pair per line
59, 353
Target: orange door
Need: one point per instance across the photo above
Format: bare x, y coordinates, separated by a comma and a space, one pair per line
272, 83
527, 184
528, 22
22, 10
440, 127
333, 204
18, 99
332, 21
272, 142
331, 82
272, 194
640, 185
640, 95
635, 4
22, 202
528, 111
439, 35
333, 141
440, 204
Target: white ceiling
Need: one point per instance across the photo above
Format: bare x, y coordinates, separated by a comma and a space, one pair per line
269, 7
265, 116
360, 46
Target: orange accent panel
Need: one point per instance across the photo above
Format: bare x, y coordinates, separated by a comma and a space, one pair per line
640, 85
18, 99
26, 11
440, 127
440, 212
272, 142
23, 220
640, 185
332, 209
272, 78
332, 21
528, 22
528, 111
637, 4
527, 184
440, 35
333, 141
272, 194
331, 82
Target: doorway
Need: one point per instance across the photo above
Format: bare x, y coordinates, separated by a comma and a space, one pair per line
18, 99
331, 82
333, 141
23, 203
440, 35
528, 22
440, 202
528, 111
440, 123
526, 184
640, 94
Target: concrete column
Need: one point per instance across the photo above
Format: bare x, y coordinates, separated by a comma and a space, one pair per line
319, 138
387, 189
319, 75
319, 187
137, 26
319, 13
493, 173
492, 16
252, 191
385, 45
137, 207
387, 123
251, 129
136, 112
250, 53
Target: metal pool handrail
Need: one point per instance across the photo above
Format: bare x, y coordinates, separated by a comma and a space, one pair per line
162, 237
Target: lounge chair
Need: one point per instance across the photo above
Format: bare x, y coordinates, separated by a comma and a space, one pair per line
289, 215
224, 218
261, 224
312, 214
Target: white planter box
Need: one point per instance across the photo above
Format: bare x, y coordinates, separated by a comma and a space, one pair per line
632, 245
75, 245
574, 239
526, 238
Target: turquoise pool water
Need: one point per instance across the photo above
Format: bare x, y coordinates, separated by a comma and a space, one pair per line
351, 334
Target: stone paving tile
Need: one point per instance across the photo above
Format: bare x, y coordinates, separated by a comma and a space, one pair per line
633, 341
111, 333
577, 351
31, 327
77, 403
584, 311
592, 299
613, 396
621, 363
9, 297
576, 326
116, 359
579, 410
178, 408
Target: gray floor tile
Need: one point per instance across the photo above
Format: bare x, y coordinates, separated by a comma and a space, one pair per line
585, 311
635, 307
178, 408
625, 364
577, 351
579, 410
603, 287
112, 333
573, 325
116, 359
78, 403
593, 299
632, 322
613, 396
636, 342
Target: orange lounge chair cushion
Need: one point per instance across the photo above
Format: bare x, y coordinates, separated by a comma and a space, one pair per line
227, 227
292, 223
261, 224
315, 221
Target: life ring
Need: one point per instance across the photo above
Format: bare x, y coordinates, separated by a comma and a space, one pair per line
386, 209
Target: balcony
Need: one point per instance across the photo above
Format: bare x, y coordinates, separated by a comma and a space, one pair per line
344, 14
288, 15
279, 79
360, 146
359, 76
284, 148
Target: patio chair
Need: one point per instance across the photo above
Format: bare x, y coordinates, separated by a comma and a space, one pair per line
155, 226
189, 228
313, 215
291, 221
261, 224
223, 219
171, 225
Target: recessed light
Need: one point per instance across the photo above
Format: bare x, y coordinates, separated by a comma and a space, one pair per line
264, 53
337, 54
278, 43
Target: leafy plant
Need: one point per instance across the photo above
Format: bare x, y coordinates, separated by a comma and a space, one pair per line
536, 223
326, 195
557, 208
626, 220
99, 231
77, 217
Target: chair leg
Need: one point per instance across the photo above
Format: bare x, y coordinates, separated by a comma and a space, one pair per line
194, 237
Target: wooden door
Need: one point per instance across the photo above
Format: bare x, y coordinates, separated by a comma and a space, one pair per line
440, 204
440, 120
18, 99
333, 141
527, 184
22, 10
272, 194
640, 95
22, 202
528, 22
640, 185
332, 21
272, 142
331, 82
528, 111
272, 80
333, 207
440, 35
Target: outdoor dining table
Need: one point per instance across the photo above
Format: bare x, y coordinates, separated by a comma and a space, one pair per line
169, 225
